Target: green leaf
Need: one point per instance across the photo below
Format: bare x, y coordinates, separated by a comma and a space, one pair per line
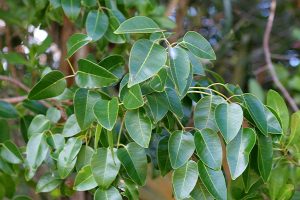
274, 126
257, 112
36, 151
157, 83
294, 137
56, 141
15, 58
275, 101
196, 64
50, 85
204, 115
181, 148
53, 114
163, 159
38, 125
138, 24
4, 130
85, 179
89, 3
114, 64
106, 112
48, 182
96, 24
139, 127
213, 180
7, 110
114, 23
200, 192
92, 75
173, 101
111, 194
209, 148
146, 59
229, 118
131, 190
84, 157
158, 106
71, 8
184, 179
75, 42
10, 153
71, 127
84, 101
133, 158
286, 192
180, 68
198, 45
67, 157
238, 151
105, 167
265, 156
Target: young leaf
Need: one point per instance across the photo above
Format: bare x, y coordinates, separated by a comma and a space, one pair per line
75, 42
265, 156
105, 167
106, 112
84, 101
7, 110
38, 125
67, 157
275, 101
85, 179
92, 75
50, 85
208, 147
84, 157
139, 127
204, 115
181, 147
48, 182
257, 112
198, 45
163, 156
134, 160
71, 8
213, 180
71, 127
184, 179
10, 153
229, 118
110, 194
138, 24
96, 24
146, 59
158, 106
238, 151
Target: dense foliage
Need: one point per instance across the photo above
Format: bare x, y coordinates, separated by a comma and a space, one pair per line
149, 103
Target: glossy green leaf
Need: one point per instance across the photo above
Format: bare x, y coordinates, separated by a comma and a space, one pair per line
56, 141
10, 152
114, 23
7, 110
265, 156
238, 151
84, 157
106, 112
67, 157
163, 159
53, 114
213, 180
200, 192
92, 75
198, 45
275, 101
85, 179
274, 126
294, 137
208, 147
180, 68
105, 167
181, 147
173, 101
38, 125
131, 190
138, 24
50, 85
146, 59
257, 112
158, 106
184, 179
133, 158
204, 115
157, 83
110, 194
114, 64
76, 41
84, 101
71, 127
229, 119
71, 8
139, 127
48, 182
196, 64
96, 24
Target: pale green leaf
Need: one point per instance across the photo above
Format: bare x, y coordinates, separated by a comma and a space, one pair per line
85, 180
110, 194
96, 24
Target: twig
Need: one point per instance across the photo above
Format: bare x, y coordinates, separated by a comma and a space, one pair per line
15, 82
270, 66
14, 99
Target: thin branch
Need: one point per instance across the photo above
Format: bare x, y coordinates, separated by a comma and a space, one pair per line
15, 82
14, 99
270, 66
